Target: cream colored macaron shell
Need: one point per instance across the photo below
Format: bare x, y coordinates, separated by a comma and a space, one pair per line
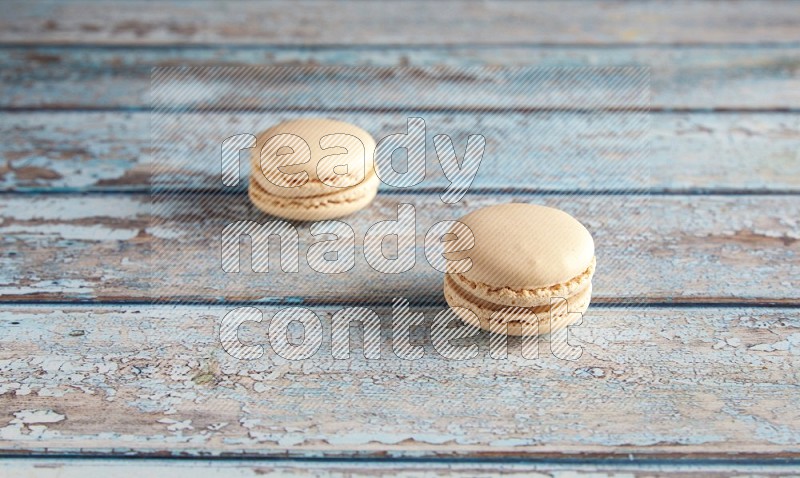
529, 263
313, 169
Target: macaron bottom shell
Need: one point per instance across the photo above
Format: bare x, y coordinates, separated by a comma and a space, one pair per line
315, 208
517, 320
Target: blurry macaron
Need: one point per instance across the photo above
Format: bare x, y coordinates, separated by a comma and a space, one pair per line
313, 169
529, 263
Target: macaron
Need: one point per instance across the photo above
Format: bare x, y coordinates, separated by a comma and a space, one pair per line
532, 268
313, 169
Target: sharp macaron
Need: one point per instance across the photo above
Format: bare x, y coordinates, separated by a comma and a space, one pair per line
532, 268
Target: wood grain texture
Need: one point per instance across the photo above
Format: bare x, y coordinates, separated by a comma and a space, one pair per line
418, 22
681, 78
81, 151
650, 383
664, 248
691, 349
208, 468
381, 88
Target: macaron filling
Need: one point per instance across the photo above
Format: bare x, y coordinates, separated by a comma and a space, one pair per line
517, 320
304, 207
527, 297
576, 299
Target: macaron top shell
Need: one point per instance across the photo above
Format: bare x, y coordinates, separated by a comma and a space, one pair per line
333, 155
525, 246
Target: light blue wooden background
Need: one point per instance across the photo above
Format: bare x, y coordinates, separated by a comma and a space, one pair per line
690, 364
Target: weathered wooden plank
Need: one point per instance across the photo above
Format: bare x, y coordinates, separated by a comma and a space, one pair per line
740, 78
650, 383
110, 151
381, 88
664, 248
202, 468
418, 22
74, 151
